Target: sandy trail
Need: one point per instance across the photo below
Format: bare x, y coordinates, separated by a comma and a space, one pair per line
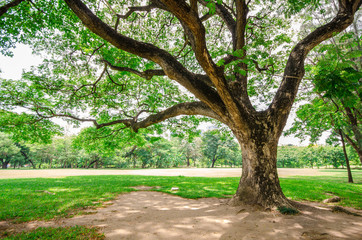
154, 215
192, 172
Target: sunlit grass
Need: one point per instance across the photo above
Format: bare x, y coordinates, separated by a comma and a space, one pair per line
48, 198
318, 188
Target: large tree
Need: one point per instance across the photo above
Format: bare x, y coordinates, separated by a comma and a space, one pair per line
213, 49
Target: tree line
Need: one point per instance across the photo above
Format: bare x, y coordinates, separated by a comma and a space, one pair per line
210, 149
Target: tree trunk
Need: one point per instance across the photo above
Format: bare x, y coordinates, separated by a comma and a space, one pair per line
32, 163
213, 162
4, 165
90, 164
350, 179
96, 164
188, 162
259, 183
25, 155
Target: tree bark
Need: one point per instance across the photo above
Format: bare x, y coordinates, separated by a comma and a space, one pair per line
259, 182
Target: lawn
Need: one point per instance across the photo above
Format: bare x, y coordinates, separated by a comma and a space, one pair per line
47, 198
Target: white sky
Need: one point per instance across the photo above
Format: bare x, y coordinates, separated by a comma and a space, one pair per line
12, 68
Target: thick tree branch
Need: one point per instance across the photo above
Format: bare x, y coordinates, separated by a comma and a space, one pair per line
190, 108
294, 70
11, 4
241, 20
194, 27
172, 68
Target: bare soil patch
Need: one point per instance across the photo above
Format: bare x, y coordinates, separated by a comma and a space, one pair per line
154, 215
192, 172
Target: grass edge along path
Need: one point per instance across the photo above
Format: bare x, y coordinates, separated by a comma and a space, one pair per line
48, 198
59, 233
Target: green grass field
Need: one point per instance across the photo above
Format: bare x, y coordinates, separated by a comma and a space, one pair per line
30, 199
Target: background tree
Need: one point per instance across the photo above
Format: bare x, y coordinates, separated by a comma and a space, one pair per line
212, 141
217, 146
288, 156
25, 152
89, 68
42, 155
190, 150
8, 149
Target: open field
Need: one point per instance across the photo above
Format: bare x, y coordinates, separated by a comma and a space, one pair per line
187, 172
198, 211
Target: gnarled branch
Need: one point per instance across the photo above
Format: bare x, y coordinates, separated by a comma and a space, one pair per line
172, 68
294, 70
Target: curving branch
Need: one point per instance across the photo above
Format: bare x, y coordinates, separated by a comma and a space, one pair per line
294, 70
265, 68
188, 108
93, 85
11, 4
172, 68
196, 32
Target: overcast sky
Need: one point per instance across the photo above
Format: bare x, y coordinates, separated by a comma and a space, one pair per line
12, 68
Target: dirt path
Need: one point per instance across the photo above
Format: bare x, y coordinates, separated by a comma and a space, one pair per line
192, 172
153, 215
